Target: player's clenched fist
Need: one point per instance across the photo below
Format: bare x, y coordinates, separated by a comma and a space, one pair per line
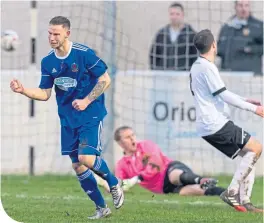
260, 111
80, 104
16, 86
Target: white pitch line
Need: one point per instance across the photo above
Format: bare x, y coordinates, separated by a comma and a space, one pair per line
159, 202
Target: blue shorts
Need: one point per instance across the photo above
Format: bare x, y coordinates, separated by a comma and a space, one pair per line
85, 140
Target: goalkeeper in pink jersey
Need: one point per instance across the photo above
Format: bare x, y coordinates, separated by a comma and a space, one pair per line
143, 163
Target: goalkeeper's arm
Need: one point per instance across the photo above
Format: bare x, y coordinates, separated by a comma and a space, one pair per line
127, 184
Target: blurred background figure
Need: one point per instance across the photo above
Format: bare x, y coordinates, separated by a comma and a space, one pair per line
173, 47
240, 43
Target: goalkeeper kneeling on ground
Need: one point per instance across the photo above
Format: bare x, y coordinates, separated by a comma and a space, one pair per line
143, 163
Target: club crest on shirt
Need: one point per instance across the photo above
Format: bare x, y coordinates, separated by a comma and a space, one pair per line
74, 67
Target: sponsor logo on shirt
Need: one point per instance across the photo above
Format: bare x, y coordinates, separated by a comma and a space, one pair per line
64, 83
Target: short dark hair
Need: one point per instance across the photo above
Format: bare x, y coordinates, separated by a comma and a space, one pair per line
177, 5
203, 41
60, 20
117, 136
236, 2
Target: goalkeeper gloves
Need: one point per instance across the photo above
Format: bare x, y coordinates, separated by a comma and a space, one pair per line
129, 183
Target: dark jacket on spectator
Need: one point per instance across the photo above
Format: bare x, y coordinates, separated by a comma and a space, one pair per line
178, 55
240, 46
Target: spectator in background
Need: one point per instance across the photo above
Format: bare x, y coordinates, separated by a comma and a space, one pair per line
240, 43
173, 47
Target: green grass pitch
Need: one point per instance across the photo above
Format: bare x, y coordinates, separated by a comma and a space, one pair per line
59, 199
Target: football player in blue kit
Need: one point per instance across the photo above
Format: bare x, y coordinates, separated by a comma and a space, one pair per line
80, 79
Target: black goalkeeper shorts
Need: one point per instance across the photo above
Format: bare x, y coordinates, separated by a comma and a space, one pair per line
229, 140
168, 187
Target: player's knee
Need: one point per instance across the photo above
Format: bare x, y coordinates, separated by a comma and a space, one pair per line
174, 176
257, 148
254, 146
79, 168
87, 160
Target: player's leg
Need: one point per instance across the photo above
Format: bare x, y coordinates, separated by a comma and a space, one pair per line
191, 190
252, 150
89, 186
246, 189
196, 190
230, 140
247, 185
69, 145
89, 154
245, 193
179, 176
179, 173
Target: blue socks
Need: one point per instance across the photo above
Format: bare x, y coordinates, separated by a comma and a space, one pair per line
100, 168
89, 185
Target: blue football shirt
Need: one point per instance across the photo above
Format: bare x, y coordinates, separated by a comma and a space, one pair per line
74, 76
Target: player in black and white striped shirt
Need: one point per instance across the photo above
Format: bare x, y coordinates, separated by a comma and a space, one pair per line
213, 124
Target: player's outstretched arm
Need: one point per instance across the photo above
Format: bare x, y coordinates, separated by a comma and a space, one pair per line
103, 83
236, 101
217, 88
127, 184
34, 93
251, 101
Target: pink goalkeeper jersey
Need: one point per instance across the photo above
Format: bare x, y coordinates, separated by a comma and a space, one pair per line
149, 162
